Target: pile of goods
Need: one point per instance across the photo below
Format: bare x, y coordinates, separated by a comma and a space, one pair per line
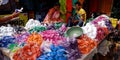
40, 41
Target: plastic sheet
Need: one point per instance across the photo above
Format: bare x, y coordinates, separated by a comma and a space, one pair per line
63, 28
71, 47
54, 26
6, 41
100, 34
35, 38
22, 38
28, 52
53, 36
57, 53
99, 19
109, 25
86, 44
90, 30
45, 46
58, 25
13, 47
38, 29
19, 29
50, 27
103, 48
6, 31
32, 23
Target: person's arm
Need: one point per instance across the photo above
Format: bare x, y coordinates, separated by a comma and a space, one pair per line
50, 13
84, 17
7, 18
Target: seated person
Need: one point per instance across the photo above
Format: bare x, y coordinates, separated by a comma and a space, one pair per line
80, 16
80, 11
53, 15
75, 20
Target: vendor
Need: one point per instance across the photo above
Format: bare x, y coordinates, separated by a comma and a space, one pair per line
53, 15
8, 18
79, 17
80, 11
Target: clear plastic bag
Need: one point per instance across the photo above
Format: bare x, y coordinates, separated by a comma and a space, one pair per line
103, 48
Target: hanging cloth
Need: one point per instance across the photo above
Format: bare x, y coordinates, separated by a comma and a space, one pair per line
73, 3
69, 9
63, 8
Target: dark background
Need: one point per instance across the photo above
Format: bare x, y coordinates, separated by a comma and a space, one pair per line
116, 9
40, 6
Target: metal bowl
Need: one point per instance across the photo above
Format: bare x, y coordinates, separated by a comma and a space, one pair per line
74, 32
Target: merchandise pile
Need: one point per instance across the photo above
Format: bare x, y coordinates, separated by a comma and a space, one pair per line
40, 41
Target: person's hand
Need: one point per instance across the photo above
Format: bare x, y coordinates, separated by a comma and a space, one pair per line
76, 21
15, 14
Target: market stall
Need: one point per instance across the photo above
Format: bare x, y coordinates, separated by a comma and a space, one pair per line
40, 41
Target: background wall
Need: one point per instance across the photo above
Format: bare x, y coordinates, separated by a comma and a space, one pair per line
101, 6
